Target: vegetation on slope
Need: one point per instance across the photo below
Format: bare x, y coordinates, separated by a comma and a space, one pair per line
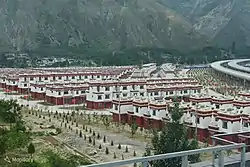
15, 140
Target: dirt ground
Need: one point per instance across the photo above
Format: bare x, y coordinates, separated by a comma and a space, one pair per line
70, 137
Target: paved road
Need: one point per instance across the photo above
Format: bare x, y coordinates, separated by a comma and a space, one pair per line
36, 105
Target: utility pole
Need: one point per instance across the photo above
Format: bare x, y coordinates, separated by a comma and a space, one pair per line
119, 109
196, 123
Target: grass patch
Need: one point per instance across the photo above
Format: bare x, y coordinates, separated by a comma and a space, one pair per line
45, 103
12, 93
30, 98
74, 108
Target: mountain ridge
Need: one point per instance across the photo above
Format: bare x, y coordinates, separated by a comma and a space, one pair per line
224, 21
94, 25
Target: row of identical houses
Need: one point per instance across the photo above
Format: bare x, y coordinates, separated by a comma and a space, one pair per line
97, 87
99, 93
212, 115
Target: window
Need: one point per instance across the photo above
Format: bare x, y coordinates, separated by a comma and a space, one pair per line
217, 106
141, 94
54, 78
59, 78
67, 77
106, 96
245, 124
13, 82
25, 79
135, 94
80, 77
73, 77
66, 92
41, 89
106, 88
198, 120
77, 92
124, 87
154, 113
83, 91
216, 119
59, 93
137, 110
46, 78
92, 76
224, 124
133, 87
98, 76
116, 107
141, 87
124, 94
117, 95
99, 97
98, 88
40, 78
156, 93
185, 91
171, 92
86, 76
31, 78
25, 85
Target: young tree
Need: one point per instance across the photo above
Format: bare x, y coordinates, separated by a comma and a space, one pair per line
126, 149
173, 138
98, 136
106, 121
141, 130
31, 149
134, 128
114, 155
107, 151
104, 139
119, 146
80, 135
89, 119
134, 154
90, 140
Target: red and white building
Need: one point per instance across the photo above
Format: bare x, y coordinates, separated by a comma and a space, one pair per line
66, 94
217, 116
145, 113
35, 82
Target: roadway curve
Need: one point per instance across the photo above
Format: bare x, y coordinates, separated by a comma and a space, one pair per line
234, 64
233, 72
